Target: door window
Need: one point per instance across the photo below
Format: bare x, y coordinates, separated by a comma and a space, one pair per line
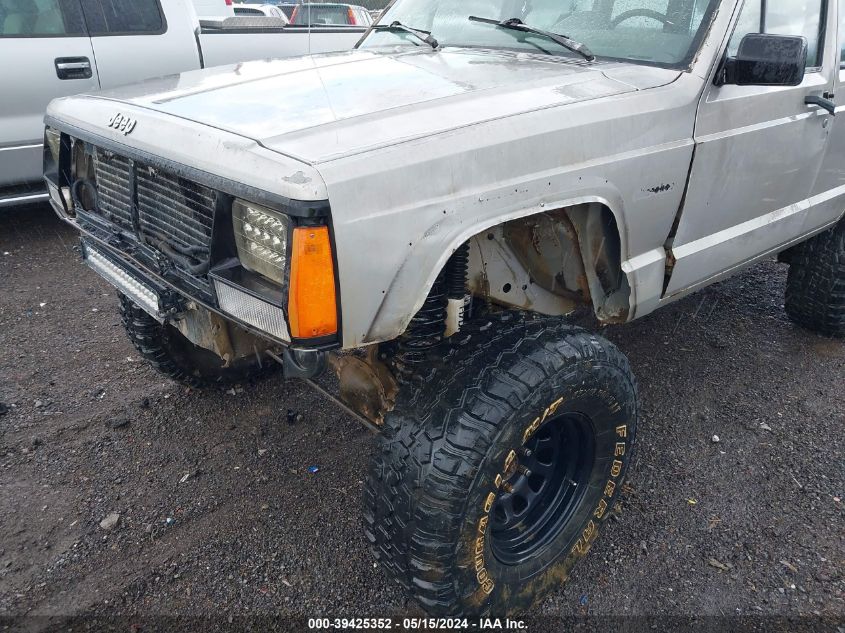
124, 17
783, 17
39, 18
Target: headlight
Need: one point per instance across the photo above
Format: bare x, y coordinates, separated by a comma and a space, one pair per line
261, 236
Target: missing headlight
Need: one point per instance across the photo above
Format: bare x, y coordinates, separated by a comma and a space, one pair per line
261, 237
53, 141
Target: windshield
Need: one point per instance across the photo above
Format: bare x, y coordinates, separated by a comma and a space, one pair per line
660, 32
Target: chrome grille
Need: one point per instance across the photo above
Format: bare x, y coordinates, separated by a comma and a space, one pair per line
173, 208
113, 187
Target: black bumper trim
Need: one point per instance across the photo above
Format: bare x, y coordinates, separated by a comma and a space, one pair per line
162, 285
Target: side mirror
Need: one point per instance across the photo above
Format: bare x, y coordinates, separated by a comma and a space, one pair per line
766, 60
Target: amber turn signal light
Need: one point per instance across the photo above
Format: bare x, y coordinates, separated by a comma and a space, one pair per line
312, 303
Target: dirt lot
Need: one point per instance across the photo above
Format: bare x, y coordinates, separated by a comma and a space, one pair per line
219, 514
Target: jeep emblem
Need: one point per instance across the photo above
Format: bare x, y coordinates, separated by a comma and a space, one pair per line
122, 123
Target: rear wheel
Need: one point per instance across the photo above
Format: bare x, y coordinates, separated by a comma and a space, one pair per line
492, 480
815, 286
166, 349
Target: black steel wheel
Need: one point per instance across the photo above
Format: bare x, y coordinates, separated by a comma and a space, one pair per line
543, 487
493, 477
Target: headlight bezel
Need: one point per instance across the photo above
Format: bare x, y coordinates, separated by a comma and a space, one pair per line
237, 271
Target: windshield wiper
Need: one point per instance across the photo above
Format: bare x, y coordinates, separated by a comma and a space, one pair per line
515, 24
423, 36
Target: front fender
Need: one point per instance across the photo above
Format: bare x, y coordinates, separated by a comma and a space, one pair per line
399, 212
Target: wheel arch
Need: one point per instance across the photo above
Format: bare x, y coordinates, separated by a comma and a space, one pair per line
597, 231
554, 261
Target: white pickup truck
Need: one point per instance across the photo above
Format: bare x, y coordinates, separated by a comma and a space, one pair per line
55, 48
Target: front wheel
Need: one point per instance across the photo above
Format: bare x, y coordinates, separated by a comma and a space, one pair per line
174, 356
491, 482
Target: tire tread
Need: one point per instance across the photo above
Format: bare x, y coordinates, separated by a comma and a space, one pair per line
412, 526
152, 340
815, 287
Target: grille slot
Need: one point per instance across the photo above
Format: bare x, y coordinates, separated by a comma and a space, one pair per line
113, 188
175, 208
171, 217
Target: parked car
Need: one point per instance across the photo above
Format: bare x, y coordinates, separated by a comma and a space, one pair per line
59, 50
266, 10
288, 9
326, 13
213, 8
439, 200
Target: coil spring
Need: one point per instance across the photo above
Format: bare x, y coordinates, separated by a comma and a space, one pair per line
414, 349
456, 272
424, 333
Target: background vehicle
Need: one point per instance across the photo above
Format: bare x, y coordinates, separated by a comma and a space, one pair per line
213, 8
287, 8
266, 10
373, 7
442, 223
325, 13
62, 51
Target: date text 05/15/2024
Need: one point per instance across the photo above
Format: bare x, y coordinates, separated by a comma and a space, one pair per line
422, 624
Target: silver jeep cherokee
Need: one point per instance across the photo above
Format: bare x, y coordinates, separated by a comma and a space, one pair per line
420, 214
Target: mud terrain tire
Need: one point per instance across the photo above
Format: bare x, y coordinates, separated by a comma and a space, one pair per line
173, 355
437, 509
815, 286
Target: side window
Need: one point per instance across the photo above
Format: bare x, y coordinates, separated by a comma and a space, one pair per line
39, 18
783, 17
124, 17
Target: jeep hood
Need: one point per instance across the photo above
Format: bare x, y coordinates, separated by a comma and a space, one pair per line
324, 107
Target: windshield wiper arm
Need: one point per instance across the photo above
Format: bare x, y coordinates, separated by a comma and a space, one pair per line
423, 36
515, 24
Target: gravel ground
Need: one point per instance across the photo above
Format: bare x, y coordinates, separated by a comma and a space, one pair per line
220, 516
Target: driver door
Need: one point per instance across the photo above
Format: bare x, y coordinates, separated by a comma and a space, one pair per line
46, 53
758, 153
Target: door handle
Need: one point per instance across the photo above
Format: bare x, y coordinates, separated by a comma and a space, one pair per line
73, 68
822, 102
